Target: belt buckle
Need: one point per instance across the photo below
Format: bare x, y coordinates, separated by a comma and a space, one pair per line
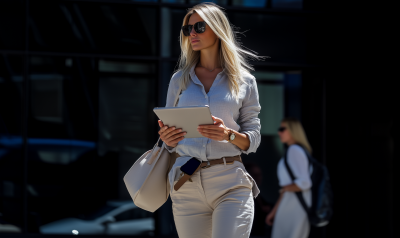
207, 166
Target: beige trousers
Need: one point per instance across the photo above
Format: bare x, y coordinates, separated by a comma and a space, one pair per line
218, 203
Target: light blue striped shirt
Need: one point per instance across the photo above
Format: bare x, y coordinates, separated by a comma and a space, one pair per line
238, 114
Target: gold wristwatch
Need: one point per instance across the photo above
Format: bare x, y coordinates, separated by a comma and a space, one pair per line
232, 135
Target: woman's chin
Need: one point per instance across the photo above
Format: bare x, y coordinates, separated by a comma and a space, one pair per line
196, 48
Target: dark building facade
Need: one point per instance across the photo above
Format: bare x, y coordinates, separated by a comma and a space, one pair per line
79, 80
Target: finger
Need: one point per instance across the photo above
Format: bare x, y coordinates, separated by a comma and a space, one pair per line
174, 142
160, 123
168, 133
209, 126
217, 119
162, 130
212, 131
173, 137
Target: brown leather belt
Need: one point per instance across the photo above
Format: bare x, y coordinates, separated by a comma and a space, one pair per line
204, 165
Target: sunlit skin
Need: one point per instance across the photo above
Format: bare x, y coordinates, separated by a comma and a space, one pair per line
285, 138
206, 71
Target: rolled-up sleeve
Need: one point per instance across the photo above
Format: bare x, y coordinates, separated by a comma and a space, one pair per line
248, 118
298, 162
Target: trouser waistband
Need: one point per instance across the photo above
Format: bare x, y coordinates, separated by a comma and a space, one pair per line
207, 164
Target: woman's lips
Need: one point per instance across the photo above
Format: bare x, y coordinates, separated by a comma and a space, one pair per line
194, 41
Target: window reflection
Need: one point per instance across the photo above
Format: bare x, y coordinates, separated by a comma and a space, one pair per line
11, 162
250, 3
88, 118
280, 37
289, 4
12, 36
92, 27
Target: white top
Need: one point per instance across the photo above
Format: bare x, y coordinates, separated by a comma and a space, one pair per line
298, 162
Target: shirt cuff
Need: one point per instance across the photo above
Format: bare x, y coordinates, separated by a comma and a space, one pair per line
170, 149
303, 185
251, 145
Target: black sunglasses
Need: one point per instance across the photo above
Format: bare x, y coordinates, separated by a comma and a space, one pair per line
199, 27
281, 129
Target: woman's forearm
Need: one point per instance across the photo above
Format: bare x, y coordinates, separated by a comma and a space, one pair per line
291, 188
241, 140
277, 204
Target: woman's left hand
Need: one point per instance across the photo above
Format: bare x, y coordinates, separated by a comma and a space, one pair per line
218, 131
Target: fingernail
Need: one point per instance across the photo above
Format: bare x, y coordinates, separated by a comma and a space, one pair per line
184, 133
165, 127
179, 130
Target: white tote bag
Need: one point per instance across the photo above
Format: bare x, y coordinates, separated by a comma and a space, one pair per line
147, 179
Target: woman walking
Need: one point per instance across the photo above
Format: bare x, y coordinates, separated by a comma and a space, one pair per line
288, 217
217, 200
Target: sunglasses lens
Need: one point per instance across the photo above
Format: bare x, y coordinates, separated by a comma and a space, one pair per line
281, 129
200, 27
186, 30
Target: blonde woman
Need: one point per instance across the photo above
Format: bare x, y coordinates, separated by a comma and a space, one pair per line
288, 217
217, 200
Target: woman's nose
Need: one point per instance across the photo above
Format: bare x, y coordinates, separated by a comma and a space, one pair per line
193, 32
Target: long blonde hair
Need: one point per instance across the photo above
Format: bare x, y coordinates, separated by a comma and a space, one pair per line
231, 54
297, 132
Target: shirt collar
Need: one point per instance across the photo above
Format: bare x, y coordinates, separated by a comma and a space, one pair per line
194, 78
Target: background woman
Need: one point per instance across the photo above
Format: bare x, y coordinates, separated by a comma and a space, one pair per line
218, 200
288, 216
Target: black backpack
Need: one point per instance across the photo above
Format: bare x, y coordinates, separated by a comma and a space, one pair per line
321, 208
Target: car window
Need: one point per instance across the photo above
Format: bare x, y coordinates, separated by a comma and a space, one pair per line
134, 213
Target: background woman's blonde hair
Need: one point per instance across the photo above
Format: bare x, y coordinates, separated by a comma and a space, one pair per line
231, 54
297, 132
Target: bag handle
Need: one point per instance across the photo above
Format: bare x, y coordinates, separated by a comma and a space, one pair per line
175, 103
298, 194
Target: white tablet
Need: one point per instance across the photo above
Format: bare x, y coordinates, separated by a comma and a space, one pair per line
186, 118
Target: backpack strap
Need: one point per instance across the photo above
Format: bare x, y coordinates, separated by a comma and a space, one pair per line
298, 194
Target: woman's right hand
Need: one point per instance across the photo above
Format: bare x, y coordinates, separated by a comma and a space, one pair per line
270, 218
170, 135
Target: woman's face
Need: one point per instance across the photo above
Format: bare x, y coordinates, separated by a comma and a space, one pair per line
284, 135
203, 40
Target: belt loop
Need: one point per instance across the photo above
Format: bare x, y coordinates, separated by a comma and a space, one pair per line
223, 158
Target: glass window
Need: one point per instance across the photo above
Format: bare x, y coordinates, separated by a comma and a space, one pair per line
250, 3
11, 139
12, 24
219, 2
289, 4
93, 27
174, 1
280, 37
88, 118
172, 23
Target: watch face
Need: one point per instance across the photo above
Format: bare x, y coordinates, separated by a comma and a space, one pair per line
232, 137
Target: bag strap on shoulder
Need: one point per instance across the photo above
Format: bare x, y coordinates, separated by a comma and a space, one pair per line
175, 103
298, 194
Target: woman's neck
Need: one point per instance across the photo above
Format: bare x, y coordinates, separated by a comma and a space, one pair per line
291, 142
209, 57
